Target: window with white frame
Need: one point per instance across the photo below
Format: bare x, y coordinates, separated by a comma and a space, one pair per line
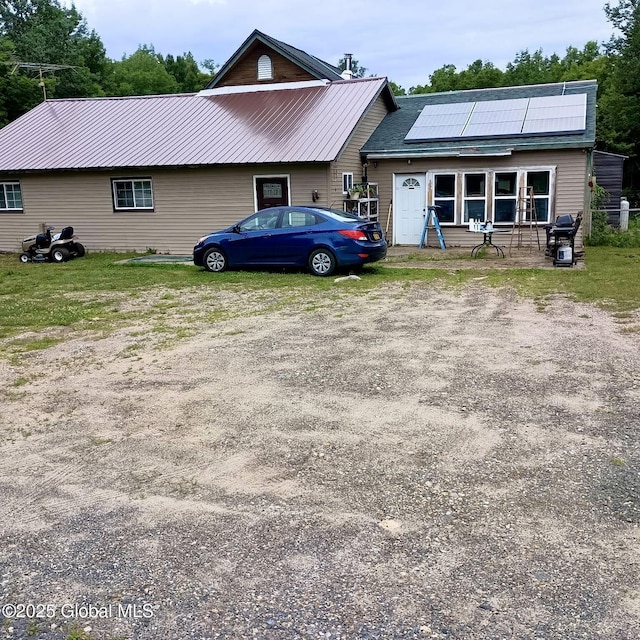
10, 196
131, 194
511, 195
444, 197
347, 182
540, 182
505, 196
475, 196
265, 68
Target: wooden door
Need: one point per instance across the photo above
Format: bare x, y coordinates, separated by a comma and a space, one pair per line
272, 192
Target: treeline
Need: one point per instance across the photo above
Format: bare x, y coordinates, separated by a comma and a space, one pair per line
44, 31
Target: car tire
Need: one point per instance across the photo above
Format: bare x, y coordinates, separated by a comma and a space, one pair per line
322, 262
215, 260
24, 258
60, 254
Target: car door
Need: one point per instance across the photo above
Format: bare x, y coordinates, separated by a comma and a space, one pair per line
255, 241
297, 235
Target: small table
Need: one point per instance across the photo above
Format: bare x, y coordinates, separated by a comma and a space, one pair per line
487, 241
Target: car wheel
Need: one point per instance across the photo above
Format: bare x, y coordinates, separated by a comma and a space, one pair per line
79, 249
60, 254
322, 262
214, 260
24, 258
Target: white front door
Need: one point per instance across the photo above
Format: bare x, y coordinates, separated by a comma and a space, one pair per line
409, 208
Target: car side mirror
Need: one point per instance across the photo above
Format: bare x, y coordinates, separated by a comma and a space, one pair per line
236, 229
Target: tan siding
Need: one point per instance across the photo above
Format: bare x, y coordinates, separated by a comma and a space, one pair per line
349, 160
188, 204
570, 181
245, 71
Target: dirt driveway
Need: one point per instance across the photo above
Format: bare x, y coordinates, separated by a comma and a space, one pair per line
411, 463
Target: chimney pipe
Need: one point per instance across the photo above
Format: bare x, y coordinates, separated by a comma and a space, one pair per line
347, 74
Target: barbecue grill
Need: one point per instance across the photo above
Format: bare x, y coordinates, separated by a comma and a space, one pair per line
561, 240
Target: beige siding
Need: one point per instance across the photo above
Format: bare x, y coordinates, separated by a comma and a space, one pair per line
188, 203
349, 160
570, 182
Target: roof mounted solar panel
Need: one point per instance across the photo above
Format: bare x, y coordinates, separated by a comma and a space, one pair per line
496, 118
559, 114
438, 121
556, 114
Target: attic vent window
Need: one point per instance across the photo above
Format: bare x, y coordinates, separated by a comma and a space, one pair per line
265, 68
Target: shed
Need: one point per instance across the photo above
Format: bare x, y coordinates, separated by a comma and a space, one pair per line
608, 169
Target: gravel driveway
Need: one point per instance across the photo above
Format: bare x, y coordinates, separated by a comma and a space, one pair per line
415, 462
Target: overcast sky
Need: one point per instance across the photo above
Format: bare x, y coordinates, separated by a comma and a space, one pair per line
405, 41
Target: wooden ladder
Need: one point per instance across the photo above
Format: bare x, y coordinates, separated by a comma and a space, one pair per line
525, 212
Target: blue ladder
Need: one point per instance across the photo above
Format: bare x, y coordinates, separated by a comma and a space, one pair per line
431, 214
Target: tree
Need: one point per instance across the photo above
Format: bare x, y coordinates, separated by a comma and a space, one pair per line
42, 31
396, 89
185, 71
141, 74
620, 127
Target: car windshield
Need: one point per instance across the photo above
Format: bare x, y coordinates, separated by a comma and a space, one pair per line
339, 215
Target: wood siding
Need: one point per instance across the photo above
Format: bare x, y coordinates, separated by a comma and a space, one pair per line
570, 182
188, 203
350, 160
245, 70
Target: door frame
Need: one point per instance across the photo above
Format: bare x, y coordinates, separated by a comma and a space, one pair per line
422, 174
266, 176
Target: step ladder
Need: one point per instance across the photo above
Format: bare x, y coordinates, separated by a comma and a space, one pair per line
525, 213
432, 215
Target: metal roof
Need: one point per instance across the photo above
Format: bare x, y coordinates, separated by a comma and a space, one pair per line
388, 140
303, 124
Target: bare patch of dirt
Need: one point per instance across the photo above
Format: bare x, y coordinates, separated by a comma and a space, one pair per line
413, 463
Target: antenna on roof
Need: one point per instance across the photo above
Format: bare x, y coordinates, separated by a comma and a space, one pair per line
40, 67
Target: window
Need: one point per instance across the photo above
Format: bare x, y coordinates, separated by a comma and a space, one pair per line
265, 68
475, 196
298, 219
267, 219
540, 182
347, 182
505, 196
132, 194
444, 197
10, 196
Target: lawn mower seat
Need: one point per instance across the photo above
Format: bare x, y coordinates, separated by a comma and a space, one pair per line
43, 240
66, 233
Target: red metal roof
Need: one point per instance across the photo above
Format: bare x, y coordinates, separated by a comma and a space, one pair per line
304, 124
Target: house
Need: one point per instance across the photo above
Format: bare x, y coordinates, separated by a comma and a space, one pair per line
510, 154
279, 126
275, 126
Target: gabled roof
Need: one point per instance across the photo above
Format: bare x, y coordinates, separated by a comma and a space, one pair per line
388, 140
316, 67
309, 123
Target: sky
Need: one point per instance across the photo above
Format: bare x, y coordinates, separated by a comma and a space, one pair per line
405, 41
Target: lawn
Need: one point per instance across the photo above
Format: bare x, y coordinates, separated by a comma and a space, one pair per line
92, 293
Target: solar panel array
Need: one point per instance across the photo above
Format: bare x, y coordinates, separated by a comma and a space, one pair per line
500, 118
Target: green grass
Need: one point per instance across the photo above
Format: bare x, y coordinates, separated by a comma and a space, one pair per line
94, 294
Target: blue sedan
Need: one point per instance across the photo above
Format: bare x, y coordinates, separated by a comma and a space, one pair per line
318, 238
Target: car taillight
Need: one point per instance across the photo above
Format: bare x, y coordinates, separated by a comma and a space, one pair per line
354, 234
